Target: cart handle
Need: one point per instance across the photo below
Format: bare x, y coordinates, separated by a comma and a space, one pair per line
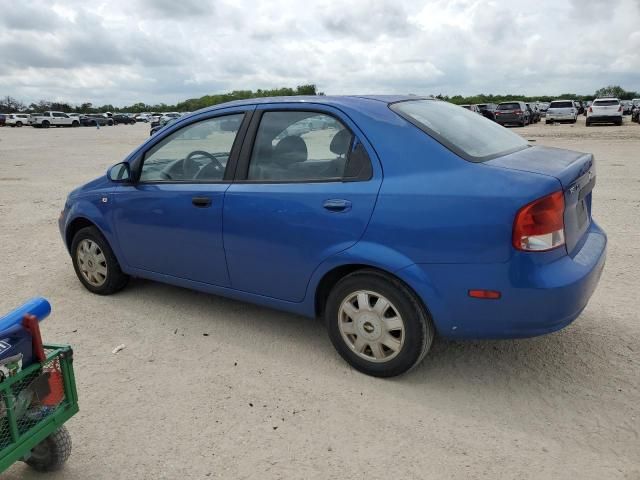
39, 307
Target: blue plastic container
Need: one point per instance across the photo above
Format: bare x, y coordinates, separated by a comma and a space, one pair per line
16, 340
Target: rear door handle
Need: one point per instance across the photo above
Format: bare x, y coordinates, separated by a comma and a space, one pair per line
337, 205
201, 202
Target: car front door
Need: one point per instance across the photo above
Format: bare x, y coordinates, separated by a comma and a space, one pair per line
169, 221
305, 190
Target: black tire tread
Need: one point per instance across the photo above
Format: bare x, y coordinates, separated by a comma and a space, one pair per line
59, 450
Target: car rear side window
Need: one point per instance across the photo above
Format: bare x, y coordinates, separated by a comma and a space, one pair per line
606, 103
471, 136
305, 146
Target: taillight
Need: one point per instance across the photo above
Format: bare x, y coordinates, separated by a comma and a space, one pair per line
620, 109
590, 110
518, 112
539, 225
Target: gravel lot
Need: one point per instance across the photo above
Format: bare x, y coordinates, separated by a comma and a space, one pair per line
212, 388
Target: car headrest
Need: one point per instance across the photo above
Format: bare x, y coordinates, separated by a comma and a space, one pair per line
341, 142
290, 150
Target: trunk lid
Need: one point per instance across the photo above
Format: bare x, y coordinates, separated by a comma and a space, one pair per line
577, 175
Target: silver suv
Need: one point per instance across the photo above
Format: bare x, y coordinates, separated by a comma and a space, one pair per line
561, 111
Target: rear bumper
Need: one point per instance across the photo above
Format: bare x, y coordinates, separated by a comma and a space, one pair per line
507, 118
604, 118
560, 117
541, 292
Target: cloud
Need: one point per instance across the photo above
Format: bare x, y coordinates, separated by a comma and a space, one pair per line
124, 51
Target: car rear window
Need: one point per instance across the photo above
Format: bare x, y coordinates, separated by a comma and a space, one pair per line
508, 106
561, 105
471, 136
606, 103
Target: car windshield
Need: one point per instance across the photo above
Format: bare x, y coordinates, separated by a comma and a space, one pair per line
466, 133
605, 103
509, 106
566, 104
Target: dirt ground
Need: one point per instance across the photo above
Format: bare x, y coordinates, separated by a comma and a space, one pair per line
212, 388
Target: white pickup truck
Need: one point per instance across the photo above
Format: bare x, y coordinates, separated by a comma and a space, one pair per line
53, 119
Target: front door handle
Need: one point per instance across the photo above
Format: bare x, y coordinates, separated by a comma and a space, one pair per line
337, 205
201, 202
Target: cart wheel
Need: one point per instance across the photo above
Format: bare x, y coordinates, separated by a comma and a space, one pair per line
52, 452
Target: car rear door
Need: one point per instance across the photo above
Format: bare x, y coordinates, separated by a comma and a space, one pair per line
169, 221
305, 189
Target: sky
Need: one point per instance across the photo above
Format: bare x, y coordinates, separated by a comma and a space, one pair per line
126, 51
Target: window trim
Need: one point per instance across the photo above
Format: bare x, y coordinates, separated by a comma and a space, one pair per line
244, 160
230, 168
444, 142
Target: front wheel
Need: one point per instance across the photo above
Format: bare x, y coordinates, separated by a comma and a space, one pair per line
377, 324
75, 124
45, 124
95, 264
18, 124
50, 454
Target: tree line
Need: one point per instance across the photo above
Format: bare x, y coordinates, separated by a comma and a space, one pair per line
9, 104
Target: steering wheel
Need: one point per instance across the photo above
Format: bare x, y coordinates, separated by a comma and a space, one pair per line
191, 169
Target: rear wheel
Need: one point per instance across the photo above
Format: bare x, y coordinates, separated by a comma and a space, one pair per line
95, 264
377, 324
46, 124
588, 123
110, 123
18, 124
50, 454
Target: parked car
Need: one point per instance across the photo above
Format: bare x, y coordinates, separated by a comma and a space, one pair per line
488, 110
119, 118
17, 119
561, 111
473, 108
627, 106
95, 119
490, 238
52, 119
605, 110
534, 114
512, 113
143, 117
159, 125
635, 113
579, 106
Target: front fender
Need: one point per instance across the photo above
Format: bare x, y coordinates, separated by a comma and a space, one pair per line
95, 209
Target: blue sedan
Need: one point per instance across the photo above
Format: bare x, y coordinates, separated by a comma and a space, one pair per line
394, 218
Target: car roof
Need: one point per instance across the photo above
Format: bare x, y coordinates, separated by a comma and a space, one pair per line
335, 100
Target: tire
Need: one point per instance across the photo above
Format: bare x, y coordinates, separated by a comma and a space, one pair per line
51, 454
100, 271
46, 124
413, 339
587, 123
18, 124
619, 123
110, 123
75, 124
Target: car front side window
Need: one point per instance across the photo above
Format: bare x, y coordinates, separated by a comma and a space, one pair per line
297, 146
198, 152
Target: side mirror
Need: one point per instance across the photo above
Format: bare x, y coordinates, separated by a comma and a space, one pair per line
119, 173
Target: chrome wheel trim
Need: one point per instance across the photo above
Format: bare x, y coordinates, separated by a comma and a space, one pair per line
371, 326
91, 262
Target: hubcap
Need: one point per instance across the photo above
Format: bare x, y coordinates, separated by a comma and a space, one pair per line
371, 325
92, 262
